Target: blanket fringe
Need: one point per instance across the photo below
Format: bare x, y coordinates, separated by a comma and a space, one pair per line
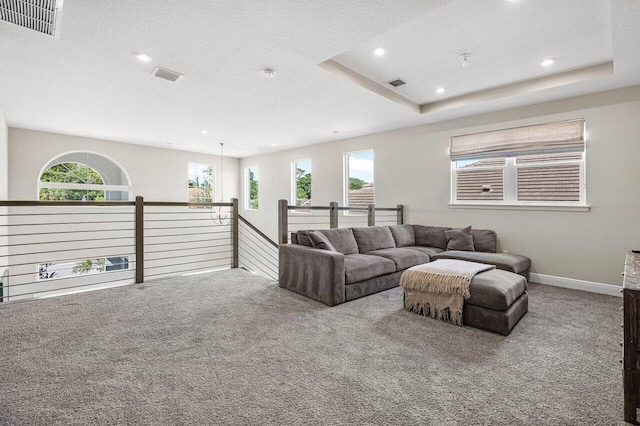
414, 303
447, 284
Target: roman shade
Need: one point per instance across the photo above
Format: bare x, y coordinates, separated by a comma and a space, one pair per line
566, 136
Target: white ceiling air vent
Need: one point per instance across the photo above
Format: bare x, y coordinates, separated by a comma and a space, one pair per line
42, 16
397, 82
166, 74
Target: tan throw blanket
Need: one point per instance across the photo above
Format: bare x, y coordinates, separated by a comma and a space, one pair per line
438, 289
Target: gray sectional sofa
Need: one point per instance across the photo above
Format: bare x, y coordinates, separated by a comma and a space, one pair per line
357, 262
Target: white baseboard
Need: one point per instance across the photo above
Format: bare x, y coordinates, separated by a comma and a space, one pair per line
593, 287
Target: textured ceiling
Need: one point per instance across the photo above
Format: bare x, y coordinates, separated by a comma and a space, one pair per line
506, 41
88, 82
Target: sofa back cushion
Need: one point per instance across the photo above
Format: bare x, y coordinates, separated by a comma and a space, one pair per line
458, 239
373, 238
403, 235
341, 239
431, 236
484, 240
319, 241
302, 238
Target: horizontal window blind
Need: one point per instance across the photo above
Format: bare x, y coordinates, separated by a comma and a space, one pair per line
566, 136
480, 184
549, 158
549, 183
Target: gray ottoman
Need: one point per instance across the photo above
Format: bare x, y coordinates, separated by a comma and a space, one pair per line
498, 301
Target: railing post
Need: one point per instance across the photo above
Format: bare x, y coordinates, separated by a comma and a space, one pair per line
235, 232
139, 240
371, 215
283, 222
333, 215
400, 214
4, 283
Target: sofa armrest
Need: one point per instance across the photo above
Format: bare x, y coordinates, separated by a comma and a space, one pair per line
314, 273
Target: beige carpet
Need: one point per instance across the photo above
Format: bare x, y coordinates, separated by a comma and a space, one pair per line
231, 348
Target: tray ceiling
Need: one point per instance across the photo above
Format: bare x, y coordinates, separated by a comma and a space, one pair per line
88, 81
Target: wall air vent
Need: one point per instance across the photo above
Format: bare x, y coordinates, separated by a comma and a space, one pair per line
42, 16
166, 74
397, 82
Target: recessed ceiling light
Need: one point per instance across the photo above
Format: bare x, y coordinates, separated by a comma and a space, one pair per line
379, 51
440, 90
143, 57
336, 131
274, 144
204, 132
547, 62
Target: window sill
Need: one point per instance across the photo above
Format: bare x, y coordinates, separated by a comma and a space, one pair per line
521, 207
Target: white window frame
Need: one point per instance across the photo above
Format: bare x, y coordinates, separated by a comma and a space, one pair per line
247, 188
507, 183
510, 182
345, 172
294, 185
213, 178
75, 261
80, 186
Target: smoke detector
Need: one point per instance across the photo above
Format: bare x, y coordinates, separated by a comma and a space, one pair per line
269, 73
465, 59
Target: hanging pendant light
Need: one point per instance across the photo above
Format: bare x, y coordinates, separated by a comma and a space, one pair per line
220, 215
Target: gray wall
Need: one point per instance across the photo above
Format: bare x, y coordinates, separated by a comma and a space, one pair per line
412, 167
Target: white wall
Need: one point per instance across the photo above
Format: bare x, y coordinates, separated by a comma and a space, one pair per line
4, 158
4, 190
412, 167
157, 174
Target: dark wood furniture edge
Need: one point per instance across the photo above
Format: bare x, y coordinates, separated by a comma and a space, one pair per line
631, 364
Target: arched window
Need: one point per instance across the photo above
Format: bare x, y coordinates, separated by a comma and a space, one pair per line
83, 176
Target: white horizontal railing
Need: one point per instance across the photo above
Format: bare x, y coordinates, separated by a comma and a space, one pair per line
294, 218
49, 248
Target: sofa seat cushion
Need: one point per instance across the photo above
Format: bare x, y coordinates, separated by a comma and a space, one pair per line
505, 261
341, 239
403, 257
496, 289
403, 235
373, 238
360, 267
426, 250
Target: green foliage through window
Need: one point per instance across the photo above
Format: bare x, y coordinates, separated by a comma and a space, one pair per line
75, 173
88, 265
355, 183
200, 182
303, 186
253, 188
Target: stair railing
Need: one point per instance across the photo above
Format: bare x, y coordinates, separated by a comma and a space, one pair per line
294, 218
